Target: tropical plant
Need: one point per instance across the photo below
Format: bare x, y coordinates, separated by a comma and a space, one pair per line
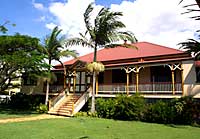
95, 66
104, 33
53, 48
192, 46
42, 108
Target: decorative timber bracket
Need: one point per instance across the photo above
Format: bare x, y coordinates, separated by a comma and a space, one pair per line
128, 70
173, 67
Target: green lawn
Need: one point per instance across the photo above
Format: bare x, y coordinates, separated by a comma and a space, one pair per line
6, 113
93, 128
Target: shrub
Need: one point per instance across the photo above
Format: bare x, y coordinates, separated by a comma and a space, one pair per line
20, 101
78, 114
105, 107
121, 108
85, 114
23, 101
187, 111
42, 108
129, 108
159, 112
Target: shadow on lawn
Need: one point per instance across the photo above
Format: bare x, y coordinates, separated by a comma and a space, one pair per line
182, 126
8, 111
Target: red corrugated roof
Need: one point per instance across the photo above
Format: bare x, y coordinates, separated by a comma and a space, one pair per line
145, 49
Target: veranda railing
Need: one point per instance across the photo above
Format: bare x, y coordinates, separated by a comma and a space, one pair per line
144, 88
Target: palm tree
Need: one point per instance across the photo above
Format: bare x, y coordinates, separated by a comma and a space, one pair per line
103, 34
192, 47
53, 49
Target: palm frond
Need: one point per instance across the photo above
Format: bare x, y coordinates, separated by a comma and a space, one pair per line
47, 77
84, 37
121, 36
128, 36
191, 46
68, 53
87, 16
180, 1
126, 45
78, 41
107, 23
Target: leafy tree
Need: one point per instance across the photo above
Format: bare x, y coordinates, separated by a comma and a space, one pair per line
3, 27
104, 33
18, 54
53, 49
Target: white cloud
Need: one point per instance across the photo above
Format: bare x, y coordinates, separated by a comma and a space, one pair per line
38, 6
50, 26
69, 15
41, 19
156, 21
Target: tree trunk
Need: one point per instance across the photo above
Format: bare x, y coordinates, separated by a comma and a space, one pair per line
93, 92
47, 94
94, 82
47, 90
65, 74
95, 54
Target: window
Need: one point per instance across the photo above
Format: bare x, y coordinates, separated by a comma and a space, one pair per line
101, 77
118, 76
161, 74
29, 80
197, 74
59, 79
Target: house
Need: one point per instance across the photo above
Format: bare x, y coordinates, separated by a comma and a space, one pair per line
152, 70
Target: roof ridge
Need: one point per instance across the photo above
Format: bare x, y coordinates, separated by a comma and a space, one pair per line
161, 46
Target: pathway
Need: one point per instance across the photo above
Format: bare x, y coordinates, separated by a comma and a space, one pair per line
39, 117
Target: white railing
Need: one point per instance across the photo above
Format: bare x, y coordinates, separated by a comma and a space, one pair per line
4, 99
53, 88
145, 88
57, 99
82, 100
111, 88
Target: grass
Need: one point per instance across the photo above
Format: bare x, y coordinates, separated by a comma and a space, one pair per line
6, 113
93, 128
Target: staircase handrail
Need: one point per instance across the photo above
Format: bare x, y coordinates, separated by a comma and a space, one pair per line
57, 98
84, 96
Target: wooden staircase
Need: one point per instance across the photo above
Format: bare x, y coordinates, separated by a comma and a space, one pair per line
66, 108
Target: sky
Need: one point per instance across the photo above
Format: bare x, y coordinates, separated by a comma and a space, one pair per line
155, 21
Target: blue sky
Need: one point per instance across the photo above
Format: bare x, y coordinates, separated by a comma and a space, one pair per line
26, 16
156, 21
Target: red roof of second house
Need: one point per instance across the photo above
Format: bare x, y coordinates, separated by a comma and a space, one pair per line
145, 49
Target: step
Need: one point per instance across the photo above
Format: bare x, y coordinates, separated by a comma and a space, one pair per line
61, 113
64, 109
69, 102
